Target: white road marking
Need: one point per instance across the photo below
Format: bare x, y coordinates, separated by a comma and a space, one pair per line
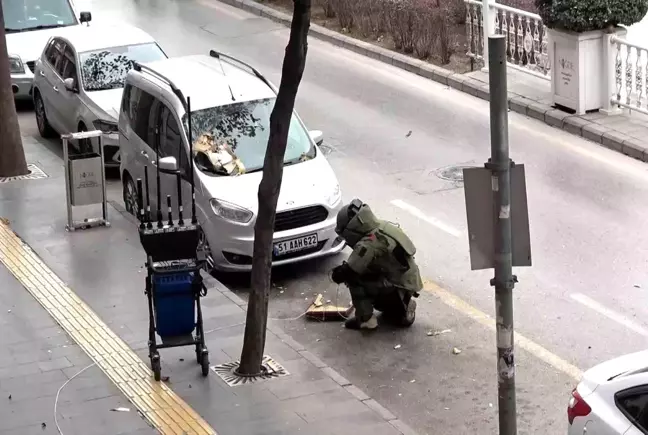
610, 314
432, 221
520, 340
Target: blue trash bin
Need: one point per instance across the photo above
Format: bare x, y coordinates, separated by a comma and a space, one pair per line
175, 308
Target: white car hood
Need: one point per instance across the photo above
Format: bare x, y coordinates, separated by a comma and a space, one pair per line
108, 102
303, 184
29, 45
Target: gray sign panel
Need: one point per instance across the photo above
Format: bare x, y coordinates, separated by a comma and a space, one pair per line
480, 210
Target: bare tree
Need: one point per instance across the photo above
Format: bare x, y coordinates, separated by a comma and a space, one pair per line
291, 75
12, 155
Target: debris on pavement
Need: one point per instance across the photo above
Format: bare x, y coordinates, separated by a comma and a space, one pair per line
43, 425
412, 381
398, 346
10, 397
637, 286
8, 311
165, 379
408, 133
181, 359
456, 351
436, 333
121, 409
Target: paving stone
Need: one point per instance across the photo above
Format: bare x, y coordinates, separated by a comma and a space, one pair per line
456, 81
537, 111
575, 125
289, 390
594, 132
338, 403
339, 379
56, 364
555, 117
614, 140
402, 427
634, 148
357, 392
313, 359
519, 104
381, 410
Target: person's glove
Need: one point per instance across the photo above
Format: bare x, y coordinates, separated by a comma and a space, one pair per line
341, 273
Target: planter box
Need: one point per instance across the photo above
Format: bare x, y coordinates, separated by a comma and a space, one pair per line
579, 69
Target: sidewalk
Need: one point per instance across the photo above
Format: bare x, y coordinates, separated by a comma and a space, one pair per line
104, 267
528, 95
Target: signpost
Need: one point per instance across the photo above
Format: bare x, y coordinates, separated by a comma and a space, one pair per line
498, 227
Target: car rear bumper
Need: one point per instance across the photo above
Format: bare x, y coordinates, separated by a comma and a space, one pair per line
22, 85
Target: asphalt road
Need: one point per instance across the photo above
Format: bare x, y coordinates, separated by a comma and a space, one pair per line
584, 299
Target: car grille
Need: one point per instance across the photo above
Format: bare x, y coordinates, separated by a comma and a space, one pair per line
301, 217
31, 65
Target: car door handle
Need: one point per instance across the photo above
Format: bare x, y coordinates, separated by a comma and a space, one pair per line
42, 74
145, 154
154, 163
55, 89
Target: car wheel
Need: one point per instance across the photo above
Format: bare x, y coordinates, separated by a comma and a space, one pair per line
84, 144
203, 246
130, 196
44, 127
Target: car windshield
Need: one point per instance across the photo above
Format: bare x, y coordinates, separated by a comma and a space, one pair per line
25, 15
232, 139
107, 68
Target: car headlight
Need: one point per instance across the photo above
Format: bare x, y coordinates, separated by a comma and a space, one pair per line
105, 126
335, 196
16, 65
231, 212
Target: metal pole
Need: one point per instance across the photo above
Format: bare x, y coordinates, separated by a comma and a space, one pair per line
104, 202
504, 281
66, 166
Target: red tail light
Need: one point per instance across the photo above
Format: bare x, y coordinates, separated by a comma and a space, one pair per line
577, 407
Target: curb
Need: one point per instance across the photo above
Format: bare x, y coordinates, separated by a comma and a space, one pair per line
572, 124
213, 284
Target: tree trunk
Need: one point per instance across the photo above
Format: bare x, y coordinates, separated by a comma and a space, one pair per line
291, 75
12, 155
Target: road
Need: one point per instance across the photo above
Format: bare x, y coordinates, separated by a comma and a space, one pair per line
584, 299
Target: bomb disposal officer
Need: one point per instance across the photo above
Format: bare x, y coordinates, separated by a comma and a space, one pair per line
381, 272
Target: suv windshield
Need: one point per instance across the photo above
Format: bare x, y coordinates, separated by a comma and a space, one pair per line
107, 68
25, 15
232, 139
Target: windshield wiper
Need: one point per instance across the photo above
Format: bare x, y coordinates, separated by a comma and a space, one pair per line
43, 26
10, 30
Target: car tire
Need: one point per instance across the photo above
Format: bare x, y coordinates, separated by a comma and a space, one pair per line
44, 128
129, 193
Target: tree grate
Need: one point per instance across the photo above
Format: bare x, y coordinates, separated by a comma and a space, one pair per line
271, 369
452, 173
35, 173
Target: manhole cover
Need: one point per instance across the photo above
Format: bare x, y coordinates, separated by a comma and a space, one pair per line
452, 173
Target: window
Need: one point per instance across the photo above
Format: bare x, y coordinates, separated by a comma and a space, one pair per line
68, 65
54, 52
634, 405
171, 139
125, 103
20, 16
144, 112
107, 68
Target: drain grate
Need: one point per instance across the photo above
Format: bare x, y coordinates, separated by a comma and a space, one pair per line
35, 173
271, 370
452, 173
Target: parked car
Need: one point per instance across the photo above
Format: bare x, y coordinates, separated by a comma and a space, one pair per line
230, 106
29, 25
612, 398
80, 79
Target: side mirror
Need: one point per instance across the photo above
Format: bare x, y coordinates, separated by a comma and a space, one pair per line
169, 165
85, 17
70, 85
317, 136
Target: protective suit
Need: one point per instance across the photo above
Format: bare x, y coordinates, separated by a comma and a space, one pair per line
380, 272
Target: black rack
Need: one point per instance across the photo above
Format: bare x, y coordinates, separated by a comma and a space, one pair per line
232, 61
174, 284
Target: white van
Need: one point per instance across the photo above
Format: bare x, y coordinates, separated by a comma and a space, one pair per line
29, 24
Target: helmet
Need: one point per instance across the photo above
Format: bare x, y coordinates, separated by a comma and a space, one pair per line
354, 221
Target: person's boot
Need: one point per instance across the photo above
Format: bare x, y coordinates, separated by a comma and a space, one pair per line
355, 323
410, 314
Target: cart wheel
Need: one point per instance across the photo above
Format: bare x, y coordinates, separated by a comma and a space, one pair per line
198, 355
205, 363
157, 368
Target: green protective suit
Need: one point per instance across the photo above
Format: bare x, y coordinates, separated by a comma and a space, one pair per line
383, 261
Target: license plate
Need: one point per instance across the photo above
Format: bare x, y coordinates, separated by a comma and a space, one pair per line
295, 245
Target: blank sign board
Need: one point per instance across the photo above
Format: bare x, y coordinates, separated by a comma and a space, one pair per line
480, 209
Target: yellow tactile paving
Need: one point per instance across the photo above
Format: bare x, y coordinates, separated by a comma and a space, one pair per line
157, 402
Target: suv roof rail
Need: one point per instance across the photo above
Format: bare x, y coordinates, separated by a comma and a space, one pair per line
232, 60
139, 68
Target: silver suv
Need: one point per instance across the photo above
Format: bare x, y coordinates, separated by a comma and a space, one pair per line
230, 105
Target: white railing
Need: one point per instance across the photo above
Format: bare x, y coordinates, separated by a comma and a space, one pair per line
630, 75
526, 35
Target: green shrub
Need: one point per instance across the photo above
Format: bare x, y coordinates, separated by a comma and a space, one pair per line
586, 15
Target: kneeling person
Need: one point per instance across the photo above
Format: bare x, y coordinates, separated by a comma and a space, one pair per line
381, 272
